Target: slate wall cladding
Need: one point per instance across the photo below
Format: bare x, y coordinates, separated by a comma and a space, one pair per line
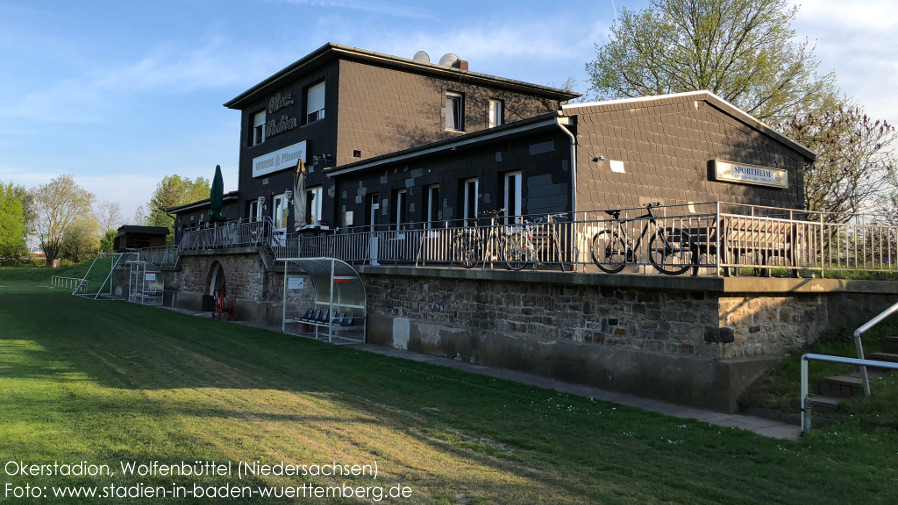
382, 110
545, 187
667, 145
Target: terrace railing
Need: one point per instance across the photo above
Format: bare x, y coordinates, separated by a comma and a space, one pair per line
708, 239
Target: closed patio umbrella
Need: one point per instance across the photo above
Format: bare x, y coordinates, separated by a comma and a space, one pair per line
299, 195
216, 196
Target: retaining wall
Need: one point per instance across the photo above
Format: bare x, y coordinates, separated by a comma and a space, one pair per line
692, 340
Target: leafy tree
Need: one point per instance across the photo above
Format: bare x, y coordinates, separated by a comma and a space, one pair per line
107, 241
855, 162
12, 223
172, 191
741, 50
81, 240
57, 206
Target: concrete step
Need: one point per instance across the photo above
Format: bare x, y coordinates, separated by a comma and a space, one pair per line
841, 386
824, 404
890, 344
891, 357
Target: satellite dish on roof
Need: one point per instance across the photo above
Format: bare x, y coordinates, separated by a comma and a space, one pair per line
422, 57
449, 59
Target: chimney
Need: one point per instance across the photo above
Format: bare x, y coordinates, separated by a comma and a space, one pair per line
461, 64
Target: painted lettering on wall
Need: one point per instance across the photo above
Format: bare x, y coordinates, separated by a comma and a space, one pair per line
279, 101
281, 159
285, 123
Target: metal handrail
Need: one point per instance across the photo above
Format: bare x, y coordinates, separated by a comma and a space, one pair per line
805, 402
860, 346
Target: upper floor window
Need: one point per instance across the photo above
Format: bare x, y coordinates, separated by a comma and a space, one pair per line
455, 111
258, 135
497, 113
315, 102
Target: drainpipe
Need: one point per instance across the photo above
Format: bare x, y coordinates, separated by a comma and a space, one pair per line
564, 121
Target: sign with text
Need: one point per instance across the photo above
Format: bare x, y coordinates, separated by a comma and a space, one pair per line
296, 283
750, 174
279, 160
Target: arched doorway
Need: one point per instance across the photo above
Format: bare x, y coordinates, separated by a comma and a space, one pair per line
215, 282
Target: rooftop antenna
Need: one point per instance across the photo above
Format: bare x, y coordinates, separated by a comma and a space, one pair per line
422, 57
448, 59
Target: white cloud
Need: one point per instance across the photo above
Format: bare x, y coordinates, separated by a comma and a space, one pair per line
166, 69
857, 40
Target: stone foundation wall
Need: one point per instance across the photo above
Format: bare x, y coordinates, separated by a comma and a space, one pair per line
692, 340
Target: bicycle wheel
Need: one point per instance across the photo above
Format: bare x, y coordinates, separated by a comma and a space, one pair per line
516, 251
609, 252
671, 251
467, 250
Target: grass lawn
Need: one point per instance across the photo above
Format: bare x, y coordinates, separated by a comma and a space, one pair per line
108, 382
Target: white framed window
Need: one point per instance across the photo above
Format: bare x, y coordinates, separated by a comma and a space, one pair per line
496, 113
513, 198
258, 135
313, 204
472, 192
255, 211
280, 209
455, 111
315, 103
432, 204
400, 212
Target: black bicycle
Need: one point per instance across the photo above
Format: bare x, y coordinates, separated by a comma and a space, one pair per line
670, 249
474, 244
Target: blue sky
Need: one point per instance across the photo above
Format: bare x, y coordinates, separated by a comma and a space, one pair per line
121, 93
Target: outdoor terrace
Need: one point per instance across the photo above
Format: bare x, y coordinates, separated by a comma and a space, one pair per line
707, 239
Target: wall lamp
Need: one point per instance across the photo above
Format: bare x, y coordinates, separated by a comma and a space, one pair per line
598, 158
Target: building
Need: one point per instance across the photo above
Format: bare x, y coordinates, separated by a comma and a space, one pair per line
390, 144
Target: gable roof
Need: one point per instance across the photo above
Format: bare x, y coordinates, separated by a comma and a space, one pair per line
707, 96
331, 51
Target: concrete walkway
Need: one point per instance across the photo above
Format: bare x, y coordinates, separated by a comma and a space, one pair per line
761, 426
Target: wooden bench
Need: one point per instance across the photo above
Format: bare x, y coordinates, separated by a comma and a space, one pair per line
761, 239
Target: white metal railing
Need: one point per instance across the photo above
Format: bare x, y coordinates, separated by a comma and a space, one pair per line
705, 238
228, 234
74, 284
805, 400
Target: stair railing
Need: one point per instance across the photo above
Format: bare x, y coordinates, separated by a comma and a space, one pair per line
860, 346
806, 402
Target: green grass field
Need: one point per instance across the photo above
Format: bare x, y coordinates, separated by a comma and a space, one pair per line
108, 382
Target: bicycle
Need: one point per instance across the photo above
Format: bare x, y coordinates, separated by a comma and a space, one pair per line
670, 249
527, 247
471, 248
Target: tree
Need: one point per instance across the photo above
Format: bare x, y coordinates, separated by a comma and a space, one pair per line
741, 50
107, 241
172, 191
109, 215
12, 223
81, 240
855, 163
57, 205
